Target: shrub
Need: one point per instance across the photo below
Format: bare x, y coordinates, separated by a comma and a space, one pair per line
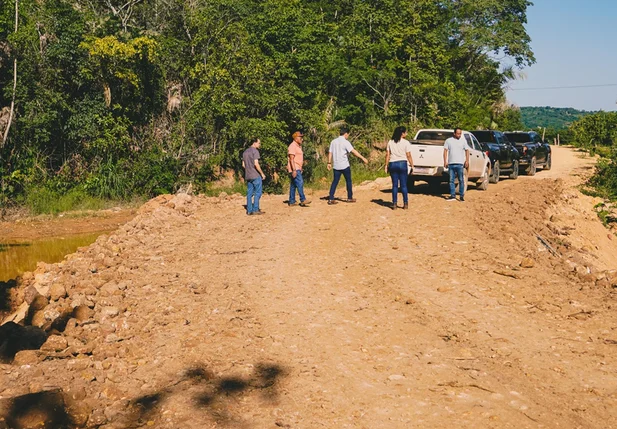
604, 181
42, 200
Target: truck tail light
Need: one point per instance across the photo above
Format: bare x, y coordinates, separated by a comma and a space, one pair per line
486, 153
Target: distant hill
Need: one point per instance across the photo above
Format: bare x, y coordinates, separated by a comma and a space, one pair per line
551, 117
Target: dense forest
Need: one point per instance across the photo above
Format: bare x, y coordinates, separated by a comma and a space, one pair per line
551, 117
116, 98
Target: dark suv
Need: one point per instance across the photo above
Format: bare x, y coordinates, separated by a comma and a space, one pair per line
503, 155
534, 152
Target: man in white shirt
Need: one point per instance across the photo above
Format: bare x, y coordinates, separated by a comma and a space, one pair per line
455, 159
338, 158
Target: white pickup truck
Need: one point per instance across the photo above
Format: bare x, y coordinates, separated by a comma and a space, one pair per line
427, 154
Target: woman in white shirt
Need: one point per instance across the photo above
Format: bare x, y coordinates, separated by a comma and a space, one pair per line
398, 161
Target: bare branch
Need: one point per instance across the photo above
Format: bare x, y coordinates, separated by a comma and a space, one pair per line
125, 12
8, 126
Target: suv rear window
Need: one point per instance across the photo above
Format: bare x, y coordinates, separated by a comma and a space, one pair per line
519, 137
484, 136
436, 138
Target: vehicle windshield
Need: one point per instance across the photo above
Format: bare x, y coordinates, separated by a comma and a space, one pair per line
436, 138
484, 136
518, 137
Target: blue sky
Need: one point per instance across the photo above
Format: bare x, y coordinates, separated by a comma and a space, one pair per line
575, 43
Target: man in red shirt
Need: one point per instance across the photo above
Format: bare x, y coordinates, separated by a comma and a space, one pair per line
295, 162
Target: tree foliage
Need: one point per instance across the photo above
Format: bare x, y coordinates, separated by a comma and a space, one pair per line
138, 97
597, 133
551, 117
598, 129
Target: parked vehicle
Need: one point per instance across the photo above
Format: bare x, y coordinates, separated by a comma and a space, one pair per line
503, 155
427, 153
534, 152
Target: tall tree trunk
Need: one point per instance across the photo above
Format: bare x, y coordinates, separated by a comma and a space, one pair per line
8, 125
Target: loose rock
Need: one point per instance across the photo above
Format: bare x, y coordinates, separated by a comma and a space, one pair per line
57, 291
55, 343
82, 313
527, 263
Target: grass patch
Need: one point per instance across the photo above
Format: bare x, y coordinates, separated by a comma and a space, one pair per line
44, 201
236, 188
607, 212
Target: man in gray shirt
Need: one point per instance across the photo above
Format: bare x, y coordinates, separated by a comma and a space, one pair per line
253, 176
455, 159
338, 158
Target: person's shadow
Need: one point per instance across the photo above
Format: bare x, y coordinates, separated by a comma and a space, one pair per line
381, 202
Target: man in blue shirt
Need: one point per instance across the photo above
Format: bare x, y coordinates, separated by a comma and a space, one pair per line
338, 158
455, 159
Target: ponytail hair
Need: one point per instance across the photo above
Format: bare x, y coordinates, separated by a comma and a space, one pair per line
398, 134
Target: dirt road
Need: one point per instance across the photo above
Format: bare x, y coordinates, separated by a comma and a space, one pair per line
347, 316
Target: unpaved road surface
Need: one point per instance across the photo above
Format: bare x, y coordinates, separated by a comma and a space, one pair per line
194, 315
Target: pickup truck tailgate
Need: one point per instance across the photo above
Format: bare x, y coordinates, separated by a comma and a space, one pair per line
427, 159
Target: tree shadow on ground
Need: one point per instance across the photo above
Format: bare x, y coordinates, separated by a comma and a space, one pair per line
212, 394
43, 410
215, 395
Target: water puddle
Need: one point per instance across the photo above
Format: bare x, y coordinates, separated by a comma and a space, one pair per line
19, 257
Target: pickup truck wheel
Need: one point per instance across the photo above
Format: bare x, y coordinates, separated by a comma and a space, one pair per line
495, 173
531, 170
549, 161
514, 174
482, 184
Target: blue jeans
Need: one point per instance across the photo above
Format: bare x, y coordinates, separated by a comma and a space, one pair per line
399, 173
456, 170
297, 183
337, 176
254, 189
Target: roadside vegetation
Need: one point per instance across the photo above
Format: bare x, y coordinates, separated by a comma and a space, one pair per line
121, 99
597, 134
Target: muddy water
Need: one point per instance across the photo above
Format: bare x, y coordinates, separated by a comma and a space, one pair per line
19, 257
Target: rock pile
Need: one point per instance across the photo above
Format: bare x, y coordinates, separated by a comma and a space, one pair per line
77, 317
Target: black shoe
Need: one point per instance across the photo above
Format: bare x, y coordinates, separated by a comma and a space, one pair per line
462, 199
405, 206
451, 199
305, 203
